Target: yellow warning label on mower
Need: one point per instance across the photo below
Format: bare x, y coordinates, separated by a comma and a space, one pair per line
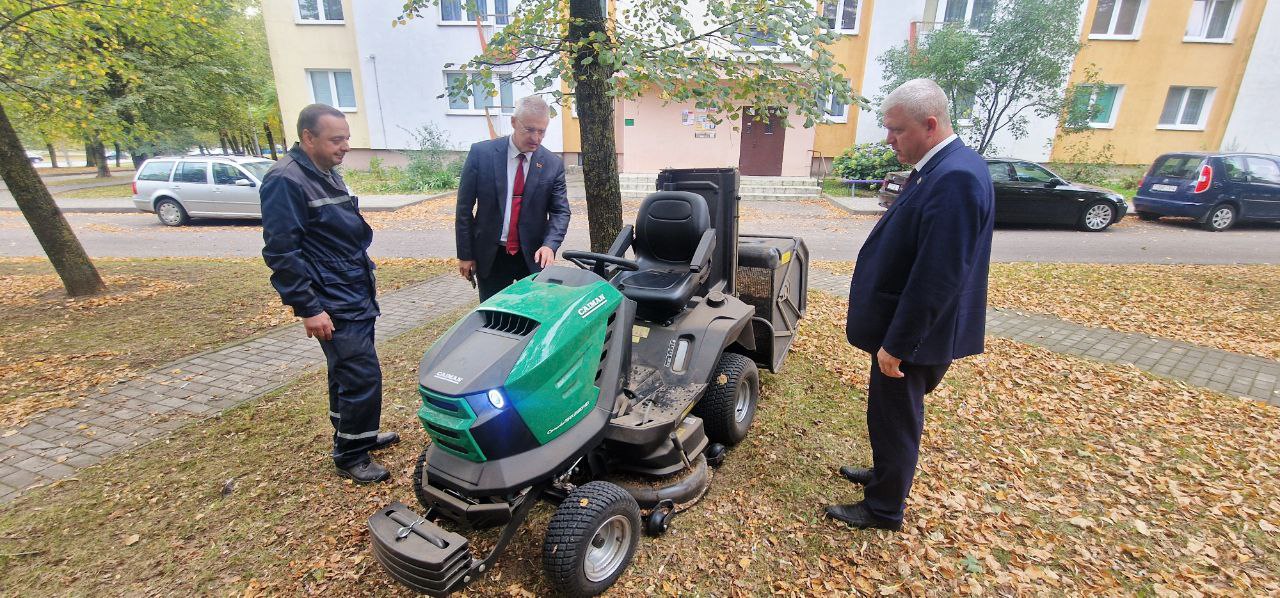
786, 257
639, 332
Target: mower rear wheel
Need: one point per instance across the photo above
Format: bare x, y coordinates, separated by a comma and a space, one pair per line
729, 406
591, 539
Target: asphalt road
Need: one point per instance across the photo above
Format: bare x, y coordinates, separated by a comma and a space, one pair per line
426, 231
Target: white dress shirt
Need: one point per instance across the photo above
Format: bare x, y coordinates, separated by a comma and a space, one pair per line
919, 166
512, 152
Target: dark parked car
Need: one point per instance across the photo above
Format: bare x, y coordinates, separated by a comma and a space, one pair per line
1217, 189
1027, 193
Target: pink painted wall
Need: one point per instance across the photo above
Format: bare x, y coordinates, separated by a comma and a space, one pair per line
658, 140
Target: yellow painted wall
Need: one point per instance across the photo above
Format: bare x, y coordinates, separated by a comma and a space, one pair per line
572, 134
851, 51
294, 48
1147, 67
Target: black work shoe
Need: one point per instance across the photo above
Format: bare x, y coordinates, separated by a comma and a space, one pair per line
857, 475
385, 440
860, 517
365, 472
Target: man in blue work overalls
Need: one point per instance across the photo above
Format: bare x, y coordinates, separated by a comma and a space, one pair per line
317, 248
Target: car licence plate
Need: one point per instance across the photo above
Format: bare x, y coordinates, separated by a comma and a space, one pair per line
1168, 188
893, 187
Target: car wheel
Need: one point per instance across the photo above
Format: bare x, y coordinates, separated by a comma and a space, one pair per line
170, 213
1097, 216
1220, 218
1148, 216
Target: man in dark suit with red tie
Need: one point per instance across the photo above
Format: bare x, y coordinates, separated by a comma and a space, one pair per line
513, 211
918, 297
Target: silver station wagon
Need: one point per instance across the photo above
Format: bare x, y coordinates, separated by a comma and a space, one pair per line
182, 188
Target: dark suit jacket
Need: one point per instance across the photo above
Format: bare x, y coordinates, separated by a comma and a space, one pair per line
919, 288
482, 197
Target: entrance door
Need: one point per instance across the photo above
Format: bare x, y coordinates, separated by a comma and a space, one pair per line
762, 138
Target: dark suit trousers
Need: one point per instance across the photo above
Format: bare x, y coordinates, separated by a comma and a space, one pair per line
895, 421
506, 269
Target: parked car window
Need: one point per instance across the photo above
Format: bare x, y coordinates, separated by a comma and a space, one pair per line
192, 172
156, 171
1234, 169
226, 174
999, 172
1264, 170
1178, 167
258, 169
1027, 172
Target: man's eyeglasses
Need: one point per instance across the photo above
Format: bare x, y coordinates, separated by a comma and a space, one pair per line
532, 131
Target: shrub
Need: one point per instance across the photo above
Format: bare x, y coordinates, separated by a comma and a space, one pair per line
866, 161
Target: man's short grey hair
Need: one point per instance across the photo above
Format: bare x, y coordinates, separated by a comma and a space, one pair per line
532, 106
920, 98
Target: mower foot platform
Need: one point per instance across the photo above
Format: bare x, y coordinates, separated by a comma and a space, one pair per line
419, 553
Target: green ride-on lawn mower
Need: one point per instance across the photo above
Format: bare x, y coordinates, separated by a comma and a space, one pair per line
607, 389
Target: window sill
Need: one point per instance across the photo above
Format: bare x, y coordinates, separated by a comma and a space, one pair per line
470, 112
836, 120
318, 22
469, 24
1205, 40
347, 109
1102, 125
1179, 127
1111, 37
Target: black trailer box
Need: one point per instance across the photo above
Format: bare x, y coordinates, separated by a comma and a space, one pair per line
773, 276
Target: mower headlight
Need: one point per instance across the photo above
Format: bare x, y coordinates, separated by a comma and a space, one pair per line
496, 399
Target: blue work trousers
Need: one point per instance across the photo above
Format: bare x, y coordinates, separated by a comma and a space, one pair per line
355, 390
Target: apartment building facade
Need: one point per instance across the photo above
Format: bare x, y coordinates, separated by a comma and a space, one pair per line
1175, 75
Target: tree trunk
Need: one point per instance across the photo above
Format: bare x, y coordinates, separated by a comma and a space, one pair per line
270, 141
222, 138
89, 155
57, 239
53, 154
100, 157
595, 121
117, 146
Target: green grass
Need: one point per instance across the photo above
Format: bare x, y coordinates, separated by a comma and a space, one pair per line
124, 190
836, 188
155, 311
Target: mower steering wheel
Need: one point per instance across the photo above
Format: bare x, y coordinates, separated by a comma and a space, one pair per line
595, 262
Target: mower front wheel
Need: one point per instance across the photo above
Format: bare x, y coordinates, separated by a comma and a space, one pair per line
591, 539
729, 406
419, 478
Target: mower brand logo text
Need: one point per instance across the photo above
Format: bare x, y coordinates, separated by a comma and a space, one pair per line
450, 378
591, 306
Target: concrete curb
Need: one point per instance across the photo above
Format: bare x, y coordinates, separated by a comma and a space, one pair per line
853, 207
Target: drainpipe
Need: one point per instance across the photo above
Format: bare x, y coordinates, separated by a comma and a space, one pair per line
377, 90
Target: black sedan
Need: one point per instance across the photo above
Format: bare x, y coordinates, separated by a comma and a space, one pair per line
1027, 193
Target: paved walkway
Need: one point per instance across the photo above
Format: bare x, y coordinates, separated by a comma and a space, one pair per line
124, 205
1223, 371
61, 441
57, 444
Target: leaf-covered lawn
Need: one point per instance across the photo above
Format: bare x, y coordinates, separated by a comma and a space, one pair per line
105, 192
1040, 474
54, 350
1233, 308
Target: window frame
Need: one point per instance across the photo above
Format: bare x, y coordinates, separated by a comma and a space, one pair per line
839, 16
1110, 123
828, 117
213, 176
1228, 35
940, 13
471, 110
324, 15
1137, 23
488, 19
173, 164
1205, 108
208, 179
333, 87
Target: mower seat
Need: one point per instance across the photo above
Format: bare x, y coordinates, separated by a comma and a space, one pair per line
673, 246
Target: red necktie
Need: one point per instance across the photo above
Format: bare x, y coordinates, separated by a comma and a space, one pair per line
517, 191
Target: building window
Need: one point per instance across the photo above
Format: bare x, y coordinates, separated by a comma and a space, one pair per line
756, 37
1117, 19
334, 88
841, 15
975, 14
1186, 108
320, 10
834, 111
962, 104
466, 12
1212, 20
1098, 103
479, 98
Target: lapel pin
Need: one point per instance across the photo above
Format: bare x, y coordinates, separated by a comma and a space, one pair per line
538, 164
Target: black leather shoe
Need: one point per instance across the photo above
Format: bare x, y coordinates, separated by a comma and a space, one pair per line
857, 475
366, 472
385, 440
858, 516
